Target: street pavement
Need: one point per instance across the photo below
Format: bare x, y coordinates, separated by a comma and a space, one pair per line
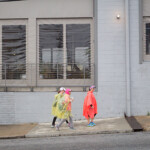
115, 141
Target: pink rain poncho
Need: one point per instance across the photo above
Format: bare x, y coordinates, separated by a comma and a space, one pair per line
88, 111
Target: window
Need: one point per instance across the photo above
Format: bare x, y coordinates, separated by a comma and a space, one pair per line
146, 38
78, 50
145, 4
65, 51
13, 51
51, 50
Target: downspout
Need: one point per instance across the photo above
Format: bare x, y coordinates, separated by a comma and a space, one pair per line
128, 65
95, 18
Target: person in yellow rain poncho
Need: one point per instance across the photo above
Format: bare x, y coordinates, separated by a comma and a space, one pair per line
64, 107
55, 104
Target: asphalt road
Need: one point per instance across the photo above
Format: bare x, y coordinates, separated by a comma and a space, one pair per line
123, 141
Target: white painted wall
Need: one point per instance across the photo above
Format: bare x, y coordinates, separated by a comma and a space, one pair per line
7, 108
111, 58
111, 95
140, 73
24, 107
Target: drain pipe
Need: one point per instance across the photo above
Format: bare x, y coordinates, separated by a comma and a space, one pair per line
128, 69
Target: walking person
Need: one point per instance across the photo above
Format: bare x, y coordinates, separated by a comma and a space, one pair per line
90, 107
65, 107
55, 103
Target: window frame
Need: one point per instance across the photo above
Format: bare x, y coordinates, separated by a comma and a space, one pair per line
14, 82
145, 21
64, 81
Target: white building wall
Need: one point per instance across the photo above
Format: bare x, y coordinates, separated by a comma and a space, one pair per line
46, 9
24, 107
140, 72
111, 58
7, 108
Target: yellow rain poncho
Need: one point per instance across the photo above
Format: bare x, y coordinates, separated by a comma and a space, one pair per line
55, 103
63, 110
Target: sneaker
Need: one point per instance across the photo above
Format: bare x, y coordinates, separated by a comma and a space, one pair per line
90, 125
68, 124
93, 123
57, 129
52, 126
72, 128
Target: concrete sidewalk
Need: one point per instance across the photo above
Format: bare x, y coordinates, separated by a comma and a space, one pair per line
144, 121
113, 125
110, 125
15, 131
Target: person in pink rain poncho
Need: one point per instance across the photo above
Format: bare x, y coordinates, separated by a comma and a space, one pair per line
90, 107
65, 110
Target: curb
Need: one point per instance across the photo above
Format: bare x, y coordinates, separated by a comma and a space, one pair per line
13, 137
76, 134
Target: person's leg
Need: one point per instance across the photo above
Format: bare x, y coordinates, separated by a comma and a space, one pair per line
92, 121
67, 123
54, 120
88, 120
60, 123
71, 122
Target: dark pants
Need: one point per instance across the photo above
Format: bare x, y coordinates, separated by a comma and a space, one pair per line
54, 120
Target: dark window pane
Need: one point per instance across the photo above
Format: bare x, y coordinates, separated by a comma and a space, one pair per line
51, 71
51, 50
14, 51
78, 51
148, 39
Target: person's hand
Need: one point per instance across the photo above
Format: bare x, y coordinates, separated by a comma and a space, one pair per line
72, 99
92, 106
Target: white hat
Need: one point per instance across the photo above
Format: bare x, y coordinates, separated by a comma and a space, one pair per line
62, 89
